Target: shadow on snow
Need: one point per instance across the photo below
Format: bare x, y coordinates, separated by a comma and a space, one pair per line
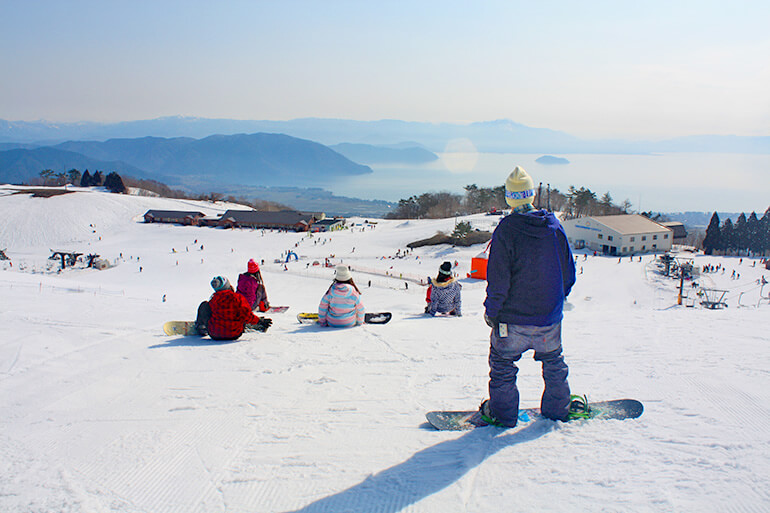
193, 342
427, 472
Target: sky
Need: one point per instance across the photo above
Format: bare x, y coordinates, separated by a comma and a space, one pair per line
649, 70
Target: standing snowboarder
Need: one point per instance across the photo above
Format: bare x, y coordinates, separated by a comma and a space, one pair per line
529, 274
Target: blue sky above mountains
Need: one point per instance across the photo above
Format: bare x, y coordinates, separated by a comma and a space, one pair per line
598, 69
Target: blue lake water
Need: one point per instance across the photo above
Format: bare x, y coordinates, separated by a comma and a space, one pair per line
669, 182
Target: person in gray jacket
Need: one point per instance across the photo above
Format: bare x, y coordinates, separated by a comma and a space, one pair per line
443, 294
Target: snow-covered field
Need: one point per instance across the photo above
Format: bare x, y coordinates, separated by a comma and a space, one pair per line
103, 413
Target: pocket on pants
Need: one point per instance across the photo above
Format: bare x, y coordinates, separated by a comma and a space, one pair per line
510, 345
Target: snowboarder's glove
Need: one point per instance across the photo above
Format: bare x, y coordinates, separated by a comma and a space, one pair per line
490, 322
264, 323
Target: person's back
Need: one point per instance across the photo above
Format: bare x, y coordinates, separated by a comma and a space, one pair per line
229, 313
247, 287
341, 307
251, 287
445, 297
530, 270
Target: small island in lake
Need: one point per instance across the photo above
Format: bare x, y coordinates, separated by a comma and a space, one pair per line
549, 160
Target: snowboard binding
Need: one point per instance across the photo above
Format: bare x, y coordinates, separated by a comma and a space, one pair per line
578, 407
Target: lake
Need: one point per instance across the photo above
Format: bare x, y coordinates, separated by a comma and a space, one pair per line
669, 182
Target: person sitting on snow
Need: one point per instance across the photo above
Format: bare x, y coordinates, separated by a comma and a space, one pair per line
341, 306
251, 286
443, 294
226, 314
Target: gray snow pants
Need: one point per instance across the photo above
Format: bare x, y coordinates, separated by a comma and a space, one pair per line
504, 352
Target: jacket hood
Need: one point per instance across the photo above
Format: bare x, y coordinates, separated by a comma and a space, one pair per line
532, 223
442, 284
343, 289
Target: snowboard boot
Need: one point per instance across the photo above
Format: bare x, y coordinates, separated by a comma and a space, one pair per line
484, 416
202, 330
578, 407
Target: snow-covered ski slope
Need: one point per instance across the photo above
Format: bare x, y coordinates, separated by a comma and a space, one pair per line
103, 413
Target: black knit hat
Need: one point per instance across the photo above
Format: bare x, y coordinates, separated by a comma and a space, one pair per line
446, 268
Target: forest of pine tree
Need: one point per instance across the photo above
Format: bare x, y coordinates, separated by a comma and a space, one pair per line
747, 236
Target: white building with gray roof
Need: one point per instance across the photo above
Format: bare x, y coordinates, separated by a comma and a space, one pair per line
618, 235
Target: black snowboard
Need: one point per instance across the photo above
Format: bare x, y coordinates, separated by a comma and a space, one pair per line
617, 409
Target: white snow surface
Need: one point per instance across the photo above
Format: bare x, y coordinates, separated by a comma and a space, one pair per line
101, 412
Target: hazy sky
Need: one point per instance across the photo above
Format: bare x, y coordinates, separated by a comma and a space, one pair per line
649, 69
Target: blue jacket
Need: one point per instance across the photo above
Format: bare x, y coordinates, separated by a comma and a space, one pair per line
530, 270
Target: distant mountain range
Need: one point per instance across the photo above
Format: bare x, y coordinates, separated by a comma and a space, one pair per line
369, 154
489, 136
235, 156
22, 165
256, 159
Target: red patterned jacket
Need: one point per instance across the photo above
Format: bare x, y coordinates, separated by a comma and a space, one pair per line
229, 312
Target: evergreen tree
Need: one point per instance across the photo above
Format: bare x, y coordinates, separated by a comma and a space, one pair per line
462, 229
755, 234
606, 203
73, 175
741, 235
96, 179
47, 176
626, 205
85, 180
765, 231
729, 240
113, 183
713, 237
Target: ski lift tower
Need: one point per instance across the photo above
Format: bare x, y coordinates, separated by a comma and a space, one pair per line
685, 268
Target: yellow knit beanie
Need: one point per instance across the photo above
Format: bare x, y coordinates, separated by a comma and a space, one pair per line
519, 188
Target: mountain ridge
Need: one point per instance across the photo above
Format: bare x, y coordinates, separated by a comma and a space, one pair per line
502, 135
245, 159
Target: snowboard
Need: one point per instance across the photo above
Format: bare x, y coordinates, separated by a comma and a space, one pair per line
187, 328
369, 318
460, 420
276, 309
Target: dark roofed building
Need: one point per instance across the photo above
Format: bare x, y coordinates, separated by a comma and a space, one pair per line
172, 216
328, 225
281, 220
680, 232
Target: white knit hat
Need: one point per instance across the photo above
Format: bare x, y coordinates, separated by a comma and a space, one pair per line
519, 188
342, 273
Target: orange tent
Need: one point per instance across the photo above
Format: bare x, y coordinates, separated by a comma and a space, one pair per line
479, 265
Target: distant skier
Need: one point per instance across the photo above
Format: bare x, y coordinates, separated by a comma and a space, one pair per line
252, 287
530, 272
341, 306
225, 315
443, 295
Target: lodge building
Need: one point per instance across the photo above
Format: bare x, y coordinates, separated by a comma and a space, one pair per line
618, 235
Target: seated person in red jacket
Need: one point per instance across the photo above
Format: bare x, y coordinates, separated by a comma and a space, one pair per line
226, 314
251, 286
